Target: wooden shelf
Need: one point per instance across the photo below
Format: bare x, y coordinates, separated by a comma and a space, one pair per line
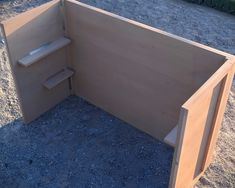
170, 139
44, 51
59, 77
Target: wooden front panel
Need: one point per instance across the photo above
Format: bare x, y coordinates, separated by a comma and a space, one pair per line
24, 33
218, 116
135, 72
198, 128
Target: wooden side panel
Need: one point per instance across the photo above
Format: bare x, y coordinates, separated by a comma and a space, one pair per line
25, 33
218, 116
133, 71
198, 128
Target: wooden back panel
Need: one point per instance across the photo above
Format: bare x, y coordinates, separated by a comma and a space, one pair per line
24, 33
198, 128
137, 73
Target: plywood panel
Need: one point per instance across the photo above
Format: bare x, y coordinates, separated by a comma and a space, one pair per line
195, 128
133, 71
24, 33
219, 114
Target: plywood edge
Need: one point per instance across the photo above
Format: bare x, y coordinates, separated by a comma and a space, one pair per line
59, 77
13, 75
178, 147
171, 137
43, 51
144, 26
211, 82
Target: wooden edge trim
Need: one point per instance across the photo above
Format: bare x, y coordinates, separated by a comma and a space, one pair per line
13, 75
219, 52
179, 142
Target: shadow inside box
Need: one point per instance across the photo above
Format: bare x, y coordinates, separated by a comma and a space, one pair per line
78, 144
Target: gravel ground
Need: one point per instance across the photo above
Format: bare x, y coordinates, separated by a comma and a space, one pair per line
49, 154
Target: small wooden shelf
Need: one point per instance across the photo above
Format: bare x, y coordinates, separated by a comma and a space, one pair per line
58, 78
171, 137
44, 51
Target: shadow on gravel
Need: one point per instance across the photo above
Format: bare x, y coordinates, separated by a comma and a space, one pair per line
78, 145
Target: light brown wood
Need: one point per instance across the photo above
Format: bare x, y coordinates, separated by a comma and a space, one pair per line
59, 77
170, 138
180, 135
219, 113
148, 78
130, 71
24, 33
43, 51
147, 27
195, 131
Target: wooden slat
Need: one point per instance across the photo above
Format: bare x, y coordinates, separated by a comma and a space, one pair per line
59, 77
44, 51
170, 138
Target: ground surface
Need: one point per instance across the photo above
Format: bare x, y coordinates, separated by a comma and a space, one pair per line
64, 151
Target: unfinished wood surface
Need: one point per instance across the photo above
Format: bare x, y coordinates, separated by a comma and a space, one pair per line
43, 51
136, 73
170, 138
24, 33
195, 128
219, 114
59, 77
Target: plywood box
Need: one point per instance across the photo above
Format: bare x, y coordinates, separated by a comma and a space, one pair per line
171, 88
